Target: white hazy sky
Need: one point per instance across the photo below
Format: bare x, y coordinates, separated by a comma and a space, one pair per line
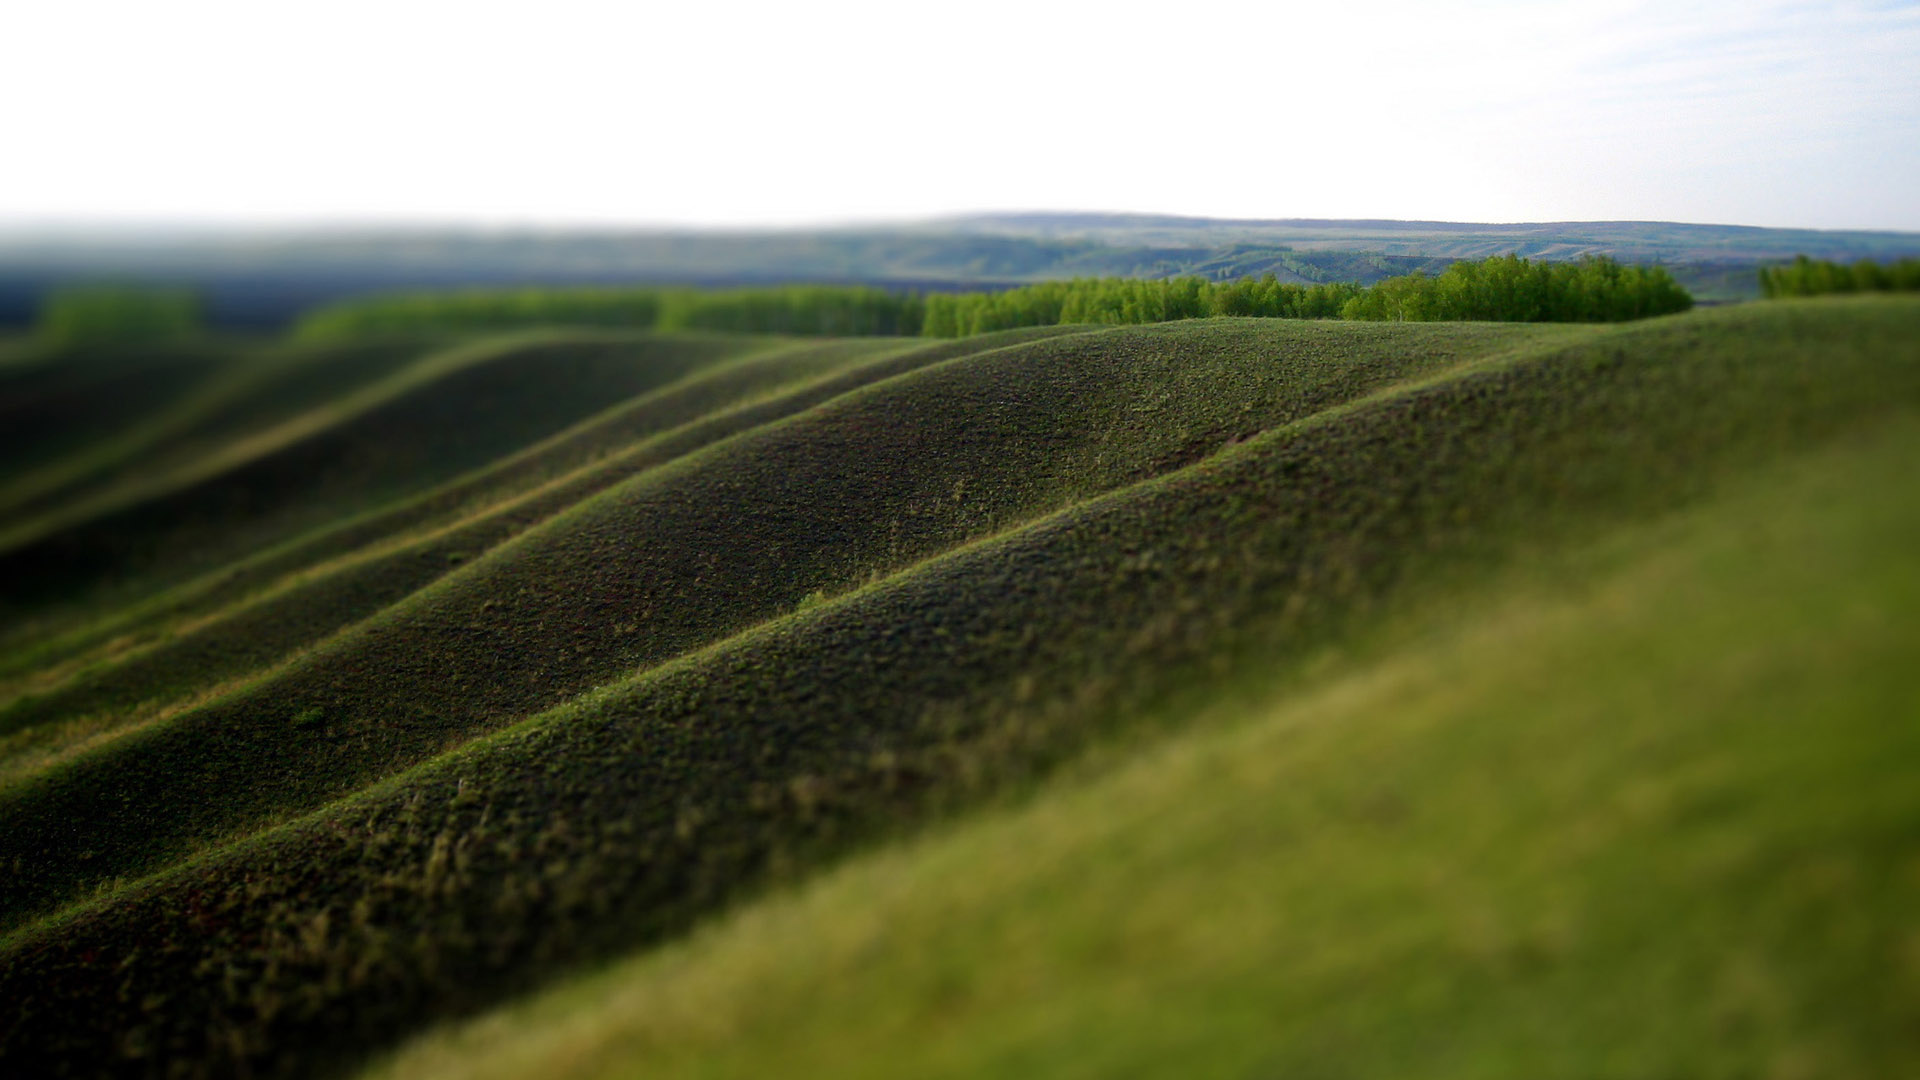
1748, 111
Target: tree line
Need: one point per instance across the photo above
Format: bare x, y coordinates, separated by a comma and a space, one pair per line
1504, 288
106, 314
482, 309
835, 310
1507, 288
1118, 301
1819, 277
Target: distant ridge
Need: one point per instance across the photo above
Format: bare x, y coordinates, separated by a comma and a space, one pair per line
1747, 241
1091, 219
267, 278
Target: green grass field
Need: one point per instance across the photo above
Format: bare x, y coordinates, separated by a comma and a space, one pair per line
1622, 815
1224, 697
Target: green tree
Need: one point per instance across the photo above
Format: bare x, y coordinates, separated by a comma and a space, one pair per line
117, 314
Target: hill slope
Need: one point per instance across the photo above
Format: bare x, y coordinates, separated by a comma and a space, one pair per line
1648, 824
765, 642
676, 558
450, 411
337, 576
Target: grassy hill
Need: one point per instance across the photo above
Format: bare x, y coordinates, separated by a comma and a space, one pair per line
1233, 694
447, 412
80, 406
1645, 824
254, 391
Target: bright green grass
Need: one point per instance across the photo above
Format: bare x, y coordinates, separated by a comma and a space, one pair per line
1645, 812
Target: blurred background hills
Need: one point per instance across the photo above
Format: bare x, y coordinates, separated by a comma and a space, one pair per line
262, 278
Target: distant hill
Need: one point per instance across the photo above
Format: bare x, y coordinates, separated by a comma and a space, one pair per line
1640, 241
265, 279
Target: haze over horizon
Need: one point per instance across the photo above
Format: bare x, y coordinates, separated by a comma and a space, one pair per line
64, 228
1779, 114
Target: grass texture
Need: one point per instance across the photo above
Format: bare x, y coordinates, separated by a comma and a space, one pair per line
685, 662
1655, 823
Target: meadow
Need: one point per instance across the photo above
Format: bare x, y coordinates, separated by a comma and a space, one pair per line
603, 691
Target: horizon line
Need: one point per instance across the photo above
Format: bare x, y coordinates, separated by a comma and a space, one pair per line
66, 226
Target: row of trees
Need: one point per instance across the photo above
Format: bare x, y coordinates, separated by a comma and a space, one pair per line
1116, 301
839, 311
471, 309
1505, 288
92, 315
794, 309
1818, 277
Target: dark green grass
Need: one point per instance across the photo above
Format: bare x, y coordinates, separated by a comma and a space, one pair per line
767, 370
492, 401
617, 818
1642, 810
711, 380
59, 402
252, 635
263, 388
370, 568
750, 527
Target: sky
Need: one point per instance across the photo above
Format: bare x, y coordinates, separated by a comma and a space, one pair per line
830, 111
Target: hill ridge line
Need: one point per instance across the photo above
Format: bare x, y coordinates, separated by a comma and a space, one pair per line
831, 602
430, 367
229, 385
103, 626
216, 579
403, 544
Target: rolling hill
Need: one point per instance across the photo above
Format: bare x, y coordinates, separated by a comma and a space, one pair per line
1230, 695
